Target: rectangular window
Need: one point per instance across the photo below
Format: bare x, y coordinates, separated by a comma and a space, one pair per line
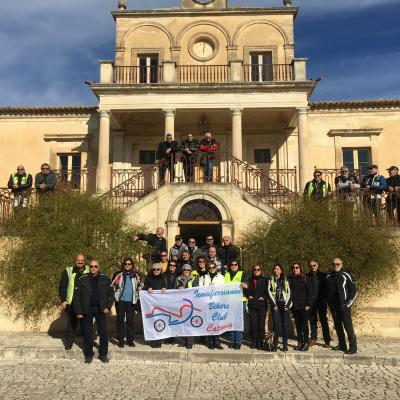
357, 158
261, 67
147, 156
70, 168
148, 68
262, 156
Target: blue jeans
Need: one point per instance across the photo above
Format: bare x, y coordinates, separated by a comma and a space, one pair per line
236, 338
208, 169
278, 317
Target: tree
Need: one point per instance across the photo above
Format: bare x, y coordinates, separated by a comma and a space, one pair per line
322, 230
46, 239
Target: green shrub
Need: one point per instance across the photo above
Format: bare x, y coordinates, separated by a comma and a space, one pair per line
46, 240
322, 231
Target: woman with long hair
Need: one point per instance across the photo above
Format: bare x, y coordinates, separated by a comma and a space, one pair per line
302, 300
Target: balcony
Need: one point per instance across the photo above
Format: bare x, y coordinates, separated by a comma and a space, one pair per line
170, 73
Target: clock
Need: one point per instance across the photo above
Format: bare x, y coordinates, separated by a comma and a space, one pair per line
203, 47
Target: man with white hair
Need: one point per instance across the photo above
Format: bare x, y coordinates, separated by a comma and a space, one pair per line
341, 294
157, 243
20, 182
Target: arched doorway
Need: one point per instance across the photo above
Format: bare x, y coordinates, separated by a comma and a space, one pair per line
199, 218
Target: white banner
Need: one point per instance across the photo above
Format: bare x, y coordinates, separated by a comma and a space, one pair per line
199, 311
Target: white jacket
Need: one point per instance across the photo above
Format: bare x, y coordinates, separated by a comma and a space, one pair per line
206, 280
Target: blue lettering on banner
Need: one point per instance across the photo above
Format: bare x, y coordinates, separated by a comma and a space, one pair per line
217, 306
217, 316
217, 293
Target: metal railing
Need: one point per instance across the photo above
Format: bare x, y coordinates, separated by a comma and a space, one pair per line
268, 73
137, 75
6, 204
75, 179
329, 175
203, 73
226, 169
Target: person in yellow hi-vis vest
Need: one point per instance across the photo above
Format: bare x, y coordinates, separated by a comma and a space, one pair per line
66, 291
233, 275
317, 188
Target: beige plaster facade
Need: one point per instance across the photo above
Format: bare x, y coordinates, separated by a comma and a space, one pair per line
199, 68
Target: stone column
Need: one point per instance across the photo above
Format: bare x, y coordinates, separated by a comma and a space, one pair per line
169, 116
302, 120
103, 162
237, 140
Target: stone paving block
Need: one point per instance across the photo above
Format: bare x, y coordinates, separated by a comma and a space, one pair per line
328, 358
29, 353
299, 357
12, 352
393, 361
364, 359
219, 356
50, 354
265, 357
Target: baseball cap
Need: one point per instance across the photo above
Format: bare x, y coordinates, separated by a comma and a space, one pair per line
392, 167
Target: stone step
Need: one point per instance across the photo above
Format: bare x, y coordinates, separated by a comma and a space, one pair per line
205, 356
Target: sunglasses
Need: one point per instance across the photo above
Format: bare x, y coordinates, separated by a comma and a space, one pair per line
212, 267
234, 264
93, 266
201, 262
191, 241
45, 168
335, 264
127, 263
188, 270
172, 265
209, 239
313, 265
257, 269
20, 169
163, 255
317, 175
295, 268
157, 270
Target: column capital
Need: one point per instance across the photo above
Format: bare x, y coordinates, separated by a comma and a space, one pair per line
169, 111
302, 110
237, 111
104, 113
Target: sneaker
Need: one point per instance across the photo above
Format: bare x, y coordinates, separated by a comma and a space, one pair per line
299, 346
104, 359
88, 360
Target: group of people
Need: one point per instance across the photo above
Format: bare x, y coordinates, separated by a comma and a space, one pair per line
373, 187
21, 182
87, 294
190, 149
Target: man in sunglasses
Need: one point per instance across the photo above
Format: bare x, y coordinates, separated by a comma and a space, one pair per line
319, 308
94, 297
20, 182
341, 294
45, 180
346, 183
317, 188
126, 284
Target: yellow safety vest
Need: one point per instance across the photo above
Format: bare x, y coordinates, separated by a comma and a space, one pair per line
273, 286
236, 279
311, 189
24, 179
71, 282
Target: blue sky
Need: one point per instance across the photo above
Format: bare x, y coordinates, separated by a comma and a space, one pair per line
48, 48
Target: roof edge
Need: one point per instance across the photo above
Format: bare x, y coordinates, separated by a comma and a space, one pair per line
354, 104
52, 110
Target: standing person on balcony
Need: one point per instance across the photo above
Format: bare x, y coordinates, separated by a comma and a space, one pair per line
175, 252
126, 284
45, 180
317, 188
20, 182
346, 183
393, 188
319, 307
341, 294
166, 158
302, 291
189, 149
375, 185
157, 243
208, 148
66, 291
228, 252
94, 299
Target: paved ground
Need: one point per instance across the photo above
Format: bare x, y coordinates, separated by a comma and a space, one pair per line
123, 380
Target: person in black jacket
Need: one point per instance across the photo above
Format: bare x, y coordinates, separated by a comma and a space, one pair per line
66, 291
94, 298
189, 149
256, 294
393, 189
155, 280
317, 188
280, 298
341, 294
166, 158
157, 243
46, 180
20, 183
208, 148
228, 252
319, 307
171, 275
302, 298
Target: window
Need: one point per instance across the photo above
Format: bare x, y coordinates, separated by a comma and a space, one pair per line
262, 156
261, 67
70, 168
354, 158
147, 156
148, 68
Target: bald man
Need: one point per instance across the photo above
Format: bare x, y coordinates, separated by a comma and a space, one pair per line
20, 182
66, 291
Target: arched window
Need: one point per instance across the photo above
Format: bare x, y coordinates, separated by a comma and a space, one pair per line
199, 210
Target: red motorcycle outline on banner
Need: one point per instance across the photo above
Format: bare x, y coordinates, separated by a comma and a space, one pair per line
159, 324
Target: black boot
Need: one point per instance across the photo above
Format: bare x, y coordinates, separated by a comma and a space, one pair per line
299, 346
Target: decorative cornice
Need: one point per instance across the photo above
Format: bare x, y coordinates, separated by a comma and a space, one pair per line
61, 110
355, 104
355, 132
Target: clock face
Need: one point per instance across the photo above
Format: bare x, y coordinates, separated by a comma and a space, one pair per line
203, 49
